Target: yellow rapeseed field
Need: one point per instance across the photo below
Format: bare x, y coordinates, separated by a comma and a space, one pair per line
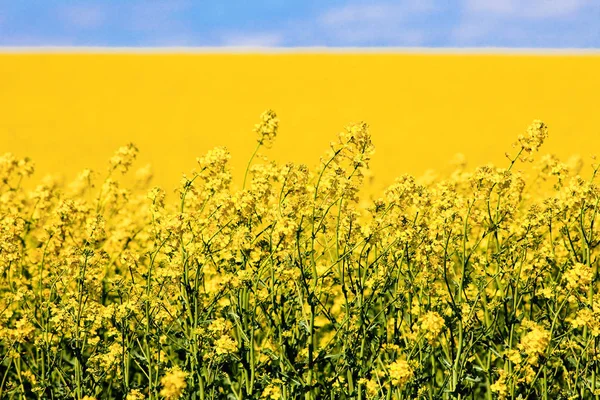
69, 111
265, 270
477, 283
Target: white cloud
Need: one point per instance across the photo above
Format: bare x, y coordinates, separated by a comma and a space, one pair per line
160, 23
365, 34
35, 40
531, 9
531, 23
385, 12
469, 31
252, 39
86, 16
361, 23
356, 13
180, 39
156, 16
354, 24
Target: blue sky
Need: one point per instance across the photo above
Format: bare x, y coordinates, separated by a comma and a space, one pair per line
304, 23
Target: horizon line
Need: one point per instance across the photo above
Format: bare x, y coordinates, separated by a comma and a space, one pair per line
295, 50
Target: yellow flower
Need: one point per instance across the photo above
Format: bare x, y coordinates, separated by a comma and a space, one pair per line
535, 342
579, 276
123, 158
500, 387
225, 345
135, 394
533, 138
432, 324
400, 373
173, 384
22, 332
219, 325
267, 128
587, 318
272, 391
514, 356
371, 386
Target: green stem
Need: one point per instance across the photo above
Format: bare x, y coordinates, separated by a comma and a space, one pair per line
249, 163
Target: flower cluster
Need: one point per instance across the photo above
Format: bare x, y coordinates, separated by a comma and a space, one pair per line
470, 284
267, 128
532, 140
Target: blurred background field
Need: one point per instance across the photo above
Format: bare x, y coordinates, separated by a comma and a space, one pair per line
71, 111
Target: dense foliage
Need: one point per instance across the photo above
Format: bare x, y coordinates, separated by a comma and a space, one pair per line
474, 284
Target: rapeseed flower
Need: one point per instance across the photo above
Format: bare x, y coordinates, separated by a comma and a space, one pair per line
432, 325
535, 342
400, 373
173, 384
297, 285
267, 128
